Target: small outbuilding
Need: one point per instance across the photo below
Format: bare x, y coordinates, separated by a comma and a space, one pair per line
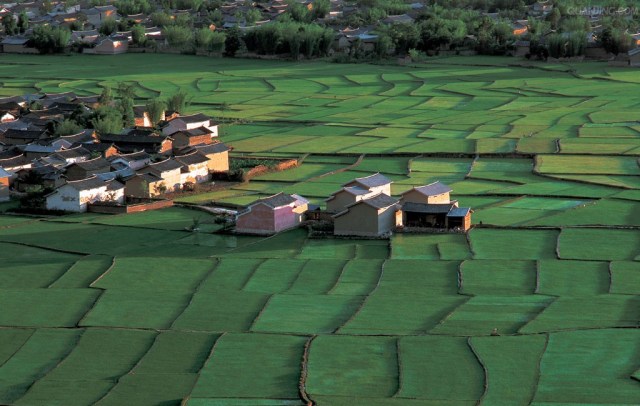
272, 214
371, 217
459, 218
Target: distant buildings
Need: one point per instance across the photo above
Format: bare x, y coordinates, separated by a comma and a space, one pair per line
87, 167
363, 208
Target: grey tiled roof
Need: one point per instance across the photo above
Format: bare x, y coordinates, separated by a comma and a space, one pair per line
192, 159
375, 180
278, 200
380, 201
86, 184
212, 148
427, 208
459, 212
432, 189
164, 166
93, 164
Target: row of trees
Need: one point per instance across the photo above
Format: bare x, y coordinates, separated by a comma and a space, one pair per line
295, 38
114, 114
14, 26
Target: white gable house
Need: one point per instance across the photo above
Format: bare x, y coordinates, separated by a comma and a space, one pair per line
191, 122
75, 195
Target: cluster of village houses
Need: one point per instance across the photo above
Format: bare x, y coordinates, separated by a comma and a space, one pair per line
87, 167
92, 17
363, 208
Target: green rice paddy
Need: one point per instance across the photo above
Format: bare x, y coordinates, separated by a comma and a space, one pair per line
538, 304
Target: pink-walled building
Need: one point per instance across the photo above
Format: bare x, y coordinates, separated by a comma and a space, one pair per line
272, 214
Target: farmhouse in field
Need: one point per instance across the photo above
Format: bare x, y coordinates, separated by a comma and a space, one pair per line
364, 207
272, 214
431, 206
75, 195
357, 190
371, 217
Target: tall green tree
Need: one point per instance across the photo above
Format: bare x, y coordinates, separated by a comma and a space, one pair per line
233, 42
106, 120
320, 8
47, 39
23, 22
67, 127
178, 102
615, 40
126, 90
155, 109
109, 26
106, 97
178, 36
138, 36
125, 105
9, 24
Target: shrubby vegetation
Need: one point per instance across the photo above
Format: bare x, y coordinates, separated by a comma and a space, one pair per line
484, 26
47, 39
290, 37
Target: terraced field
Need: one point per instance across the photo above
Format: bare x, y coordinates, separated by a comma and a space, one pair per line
538, 304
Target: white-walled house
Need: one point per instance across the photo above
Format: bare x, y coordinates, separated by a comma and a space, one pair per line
75, 195
191, 122
195, 167
376, 183
170, 170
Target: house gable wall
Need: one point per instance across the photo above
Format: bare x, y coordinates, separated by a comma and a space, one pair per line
340, 201
386, 220
385, 189
218, 162
413, 196
360, 220
69, 199
259, 219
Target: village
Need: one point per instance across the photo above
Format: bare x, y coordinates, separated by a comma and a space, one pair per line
351, 30
133, 170
320, 202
